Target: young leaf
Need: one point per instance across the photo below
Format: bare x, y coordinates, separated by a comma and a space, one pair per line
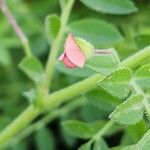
30, 95
104, 63
32, 67
111, 7
130, 111
44, 139
117, 84
78, 129
144, 143
86, 146
143, 76
52, 24
96, 31
100, 144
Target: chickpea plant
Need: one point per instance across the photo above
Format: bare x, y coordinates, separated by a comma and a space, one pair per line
120, 86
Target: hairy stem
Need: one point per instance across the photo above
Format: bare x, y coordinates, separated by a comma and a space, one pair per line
103, 130
20, 122
61, 96
137, 58
56, 45
16, 27
45, 120
53, 100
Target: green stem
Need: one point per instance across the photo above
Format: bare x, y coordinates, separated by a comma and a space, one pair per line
16, 27
136, 59
61, 96
103, 130
47, 119
57, 98
22, 121
51, 103
56, 45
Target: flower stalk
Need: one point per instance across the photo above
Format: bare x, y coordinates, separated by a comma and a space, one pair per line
56, 45
57, 98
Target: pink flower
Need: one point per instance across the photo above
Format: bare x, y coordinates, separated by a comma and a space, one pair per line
72, 56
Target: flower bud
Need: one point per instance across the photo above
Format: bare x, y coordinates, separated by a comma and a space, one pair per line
86, 47
76, 52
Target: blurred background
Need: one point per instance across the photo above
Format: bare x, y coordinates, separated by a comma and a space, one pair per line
133, 33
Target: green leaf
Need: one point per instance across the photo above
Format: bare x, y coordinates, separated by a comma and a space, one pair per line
102, 100
78, 129
144, 143
44, 139
85, 47
77, 72
142, 76
130, 111
129, 147
142, 40
137, 131
111, 6
90, 113
33, 68
52, 24
63, 3
100, 144
126, 139
98, 32
67, 138
5, 59
117, 84
104, 63
86, 146
30, 95
20, 146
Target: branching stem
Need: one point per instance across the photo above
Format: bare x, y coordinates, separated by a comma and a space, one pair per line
59, 97
56, 45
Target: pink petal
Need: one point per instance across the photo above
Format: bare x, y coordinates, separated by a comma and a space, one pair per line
61, 57
73, 52
68, 63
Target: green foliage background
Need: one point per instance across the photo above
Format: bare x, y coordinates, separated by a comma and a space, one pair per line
125, 30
